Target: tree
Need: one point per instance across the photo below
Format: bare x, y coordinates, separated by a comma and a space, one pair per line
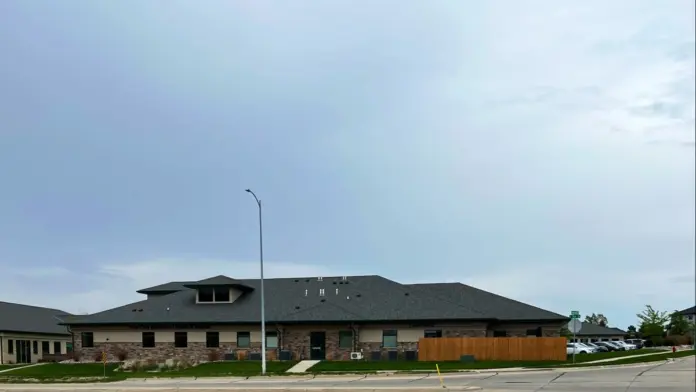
678, 325
565, 332
631, 331
597, 319
652, 322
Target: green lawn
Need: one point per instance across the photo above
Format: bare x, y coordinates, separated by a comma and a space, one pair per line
648, 358
60, 370
5, 367
95, 371
579, 358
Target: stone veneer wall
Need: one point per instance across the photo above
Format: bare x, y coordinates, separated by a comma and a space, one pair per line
296, 339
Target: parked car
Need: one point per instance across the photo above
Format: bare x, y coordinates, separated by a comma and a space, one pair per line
597, 347
607, 346
613, 346
628, 346
578, 348
640, 343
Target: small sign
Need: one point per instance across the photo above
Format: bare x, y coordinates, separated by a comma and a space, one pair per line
104, 357
575, 314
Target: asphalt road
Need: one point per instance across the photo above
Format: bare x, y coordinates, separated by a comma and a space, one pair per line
678, 376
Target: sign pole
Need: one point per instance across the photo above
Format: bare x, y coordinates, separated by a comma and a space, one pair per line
575, 348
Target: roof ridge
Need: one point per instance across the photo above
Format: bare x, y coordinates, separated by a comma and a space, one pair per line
33, 306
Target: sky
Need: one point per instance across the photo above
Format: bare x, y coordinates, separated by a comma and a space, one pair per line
542, 150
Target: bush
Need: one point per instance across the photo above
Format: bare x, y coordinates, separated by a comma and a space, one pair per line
213, 355
121, 354
75, 356
97, 356
676, 340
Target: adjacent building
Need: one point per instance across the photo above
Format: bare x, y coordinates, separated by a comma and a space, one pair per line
31, 333
689, 314
597, 333
306, 318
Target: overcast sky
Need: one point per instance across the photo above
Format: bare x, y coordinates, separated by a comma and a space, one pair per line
542, 150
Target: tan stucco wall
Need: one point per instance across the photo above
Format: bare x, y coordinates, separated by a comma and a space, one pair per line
5, 337
128, 335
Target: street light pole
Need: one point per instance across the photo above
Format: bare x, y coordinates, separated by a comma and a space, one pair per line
263, 307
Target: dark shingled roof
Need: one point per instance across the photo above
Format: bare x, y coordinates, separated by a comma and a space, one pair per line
31, 319
691, 310
358, 299
589, 329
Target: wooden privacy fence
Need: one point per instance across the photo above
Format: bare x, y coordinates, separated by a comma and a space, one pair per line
492, 349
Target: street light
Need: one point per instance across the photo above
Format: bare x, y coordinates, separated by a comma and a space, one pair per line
263, 307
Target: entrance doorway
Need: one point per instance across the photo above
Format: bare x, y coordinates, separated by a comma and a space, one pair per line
317, 346
23, 351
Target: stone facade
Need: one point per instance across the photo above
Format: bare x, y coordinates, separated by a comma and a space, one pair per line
296, 339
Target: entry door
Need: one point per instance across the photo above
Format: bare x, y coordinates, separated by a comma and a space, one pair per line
23, 351
317, 345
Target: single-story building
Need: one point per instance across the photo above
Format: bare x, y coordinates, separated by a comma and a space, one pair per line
306, 318
597, 333
29, 333
689, 314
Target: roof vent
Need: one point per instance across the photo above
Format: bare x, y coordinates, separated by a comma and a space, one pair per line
334, 282
358, 295
307, 280
340, 282
406, 294
344, 278
297, 280
336, 291
320, 279
306, 292
297, 307
321, 292
140, 310
347, 296
134, 310
323, 300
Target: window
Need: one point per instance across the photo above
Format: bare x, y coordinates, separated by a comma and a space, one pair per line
68, 347
56, 348
243, 340
272, 339
180, 339
87, 339
206, 294
35, 347
45, 348
433, 333
389, 338
212, 339
148, 339
534, 332
500, 334
222, 294
10, 346
345, 339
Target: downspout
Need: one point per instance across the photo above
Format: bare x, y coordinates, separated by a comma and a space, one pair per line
2, 350
355, 336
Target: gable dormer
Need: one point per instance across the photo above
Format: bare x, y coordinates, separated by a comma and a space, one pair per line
219, 289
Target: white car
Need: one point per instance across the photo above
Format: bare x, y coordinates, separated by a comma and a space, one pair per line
579, 348
628, 346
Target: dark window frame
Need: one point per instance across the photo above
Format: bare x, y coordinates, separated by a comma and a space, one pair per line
10, 346
534, 332
147, 339
500, 333
246, 335
35, 346
180, 339
432, 333
273, 334
45, 347
223, 292
390, 333
87, 339
58, 346
212, 339
345, 339
208, 299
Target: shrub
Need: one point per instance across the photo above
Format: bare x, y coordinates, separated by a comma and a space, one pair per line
213, 355
75, 356
121, 354
97, 356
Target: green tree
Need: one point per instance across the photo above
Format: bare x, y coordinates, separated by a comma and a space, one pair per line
652, 322
631, 332
678, 325
597, 319
565, 332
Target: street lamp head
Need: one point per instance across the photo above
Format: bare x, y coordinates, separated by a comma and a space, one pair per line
248, 190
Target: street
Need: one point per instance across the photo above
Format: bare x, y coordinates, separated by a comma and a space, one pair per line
675, 376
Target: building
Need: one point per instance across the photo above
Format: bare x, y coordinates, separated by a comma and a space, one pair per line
30, 333
306, 318
597, 333
689, 314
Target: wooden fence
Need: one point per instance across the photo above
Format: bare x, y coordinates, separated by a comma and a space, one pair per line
493, 349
